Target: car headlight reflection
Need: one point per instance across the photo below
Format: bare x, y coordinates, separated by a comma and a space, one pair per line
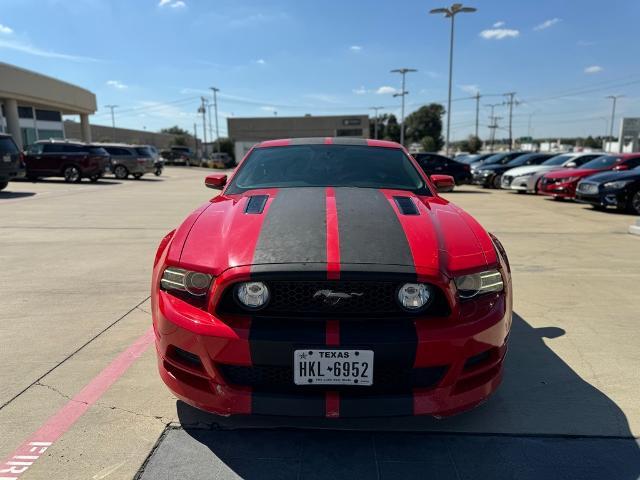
478, 283
252, 295
617, 185
195, 283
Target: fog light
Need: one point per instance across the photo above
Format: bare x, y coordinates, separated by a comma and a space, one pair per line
252, 295
414, 296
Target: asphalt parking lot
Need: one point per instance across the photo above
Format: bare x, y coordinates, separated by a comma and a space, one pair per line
79, 380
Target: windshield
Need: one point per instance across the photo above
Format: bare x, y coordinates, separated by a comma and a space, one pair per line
328, 165
522, 159
493, 159
558, 160
600, 162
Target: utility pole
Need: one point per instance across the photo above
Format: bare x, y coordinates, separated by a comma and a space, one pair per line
403, 93
195, 138
493, 124
613, 116
510, 102
477, 111
375, 125
203, 111
215, 108
113, 120
451, 13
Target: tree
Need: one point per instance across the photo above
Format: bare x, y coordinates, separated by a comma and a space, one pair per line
226, 146
591, 142
428, 144
180, 135
472, 144
425, 122
391, 129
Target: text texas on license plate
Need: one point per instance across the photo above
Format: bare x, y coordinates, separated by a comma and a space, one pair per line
333, 367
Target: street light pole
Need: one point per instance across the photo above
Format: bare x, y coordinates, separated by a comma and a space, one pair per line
451, 12
113, 120
613, 115
403, 72
215, 109
375, 125
203, 111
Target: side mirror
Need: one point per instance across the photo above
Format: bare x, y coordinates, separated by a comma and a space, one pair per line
216, 181
443, 183
571, 165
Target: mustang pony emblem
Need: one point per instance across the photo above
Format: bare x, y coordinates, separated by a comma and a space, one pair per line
329, 297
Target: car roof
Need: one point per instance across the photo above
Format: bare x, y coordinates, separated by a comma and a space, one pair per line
367, 142
69, 141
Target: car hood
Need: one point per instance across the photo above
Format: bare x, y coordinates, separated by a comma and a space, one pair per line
572, 172
614, 176
492, 167
526, 169
343, 229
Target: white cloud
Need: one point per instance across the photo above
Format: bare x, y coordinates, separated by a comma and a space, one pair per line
593, 69
31, 50
547, 23
5, 30
172, 3
387, 90
355, 48
499, 33
499, 24
360, 90
472, 89
117, 84
261, 61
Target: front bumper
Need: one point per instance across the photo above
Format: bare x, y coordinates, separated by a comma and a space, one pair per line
558, 190
482, 178
210, 363
518, 183
617, 199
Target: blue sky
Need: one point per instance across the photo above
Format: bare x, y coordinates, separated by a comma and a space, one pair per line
154, 58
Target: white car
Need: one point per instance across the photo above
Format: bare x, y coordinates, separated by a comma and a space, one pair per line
525, 179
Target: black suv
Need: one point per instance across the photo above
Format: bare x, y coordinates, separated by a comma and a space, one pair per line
432, 163
61, 158
11, 165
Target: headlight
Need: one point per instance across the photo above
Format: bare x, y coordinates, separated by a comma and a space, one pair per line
195, 283
478, 283
414, 296
252, 295
528, 174
617, 185
567, 180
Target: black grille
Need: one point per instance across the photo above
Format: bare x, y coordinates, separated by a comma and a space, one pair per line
280, 379
309, 298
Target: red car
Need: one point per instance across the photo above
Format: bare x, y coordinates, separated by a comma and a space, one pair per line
329, 278
561, 184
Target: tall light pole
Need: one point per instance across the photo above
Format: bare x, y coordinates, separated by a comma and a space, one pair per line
375, 125
451, 13
613, 116
215, 109
203, 111
510, 102
403, 93
113, 120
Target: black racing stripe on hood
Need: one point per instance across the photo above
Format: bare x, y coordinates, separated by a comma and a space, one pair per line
295, 228
370, 231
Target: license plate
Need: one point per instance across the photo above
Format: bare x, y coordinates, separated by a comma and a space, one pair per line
333, 367
6, 158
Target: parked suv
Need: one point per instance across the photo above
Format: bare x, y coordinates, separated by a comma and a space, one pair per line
63, 158
434, 164
128, 160
11, 165
178, 155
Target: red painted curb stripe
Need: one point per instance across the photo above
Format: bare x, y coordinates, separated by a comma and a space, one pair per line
333, 237
23, 457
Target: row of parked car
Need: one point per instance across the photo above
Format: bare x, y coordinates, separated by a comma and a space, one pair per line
597, 178
74, 160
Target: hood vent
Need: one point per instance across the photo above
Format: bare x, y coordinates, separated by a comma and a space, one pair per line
256, 204
406, 206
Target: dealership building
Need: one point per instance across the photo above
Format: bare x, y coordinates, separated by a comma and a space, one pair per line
246, 132
33, 105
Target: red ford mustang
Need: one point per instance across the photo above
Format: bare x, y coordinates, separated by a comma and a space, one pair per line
330, 279
562, 183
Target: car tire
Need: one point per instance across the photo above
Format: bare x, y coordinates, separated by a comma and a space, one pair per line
521, 191
120, 172
71, 174
634, 202
32, 178
496, 182
600, 208
137, 176
94, 178
3, 185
